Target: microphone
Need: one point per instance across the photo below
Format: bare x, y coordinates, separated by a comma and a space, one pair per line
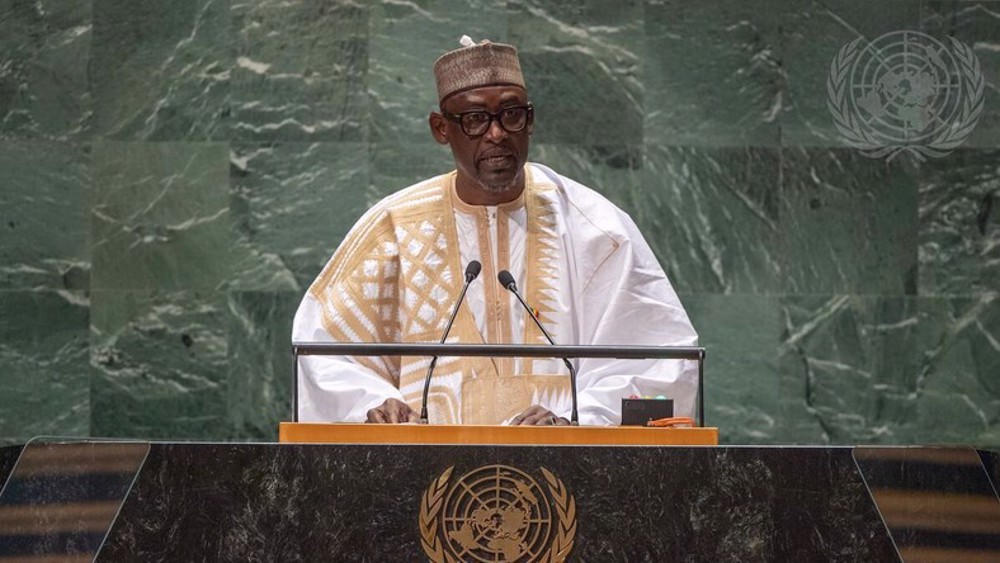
507, 280
471, 273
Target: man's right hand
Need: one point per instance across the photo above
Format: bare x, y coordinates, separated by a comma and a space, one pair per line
392, 411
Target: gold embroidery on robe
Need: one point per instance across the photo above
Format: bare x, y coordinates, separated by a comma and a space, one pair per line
397, 276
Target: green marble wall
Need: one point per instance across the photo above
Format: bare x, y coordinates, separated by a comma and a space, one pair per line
175, 173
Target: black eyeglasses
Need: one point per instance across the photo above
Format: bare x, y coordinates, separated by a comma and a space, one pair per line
476, 123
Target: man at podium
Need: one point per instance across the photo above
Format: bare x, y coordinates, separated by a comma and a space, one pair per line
579, 261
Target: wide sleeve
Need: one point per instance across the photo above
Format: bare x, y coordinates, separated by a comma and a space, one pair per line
334, 389
629, 301
354, 299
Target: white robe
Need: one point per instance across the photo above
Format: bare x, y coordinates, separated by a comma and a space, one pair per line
578, 260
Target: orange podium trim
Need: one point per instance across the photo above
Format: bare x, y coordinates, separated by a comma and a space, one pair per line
351, 433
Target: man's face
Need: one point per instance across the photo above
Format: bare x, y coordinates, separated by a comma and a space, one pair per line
494, 162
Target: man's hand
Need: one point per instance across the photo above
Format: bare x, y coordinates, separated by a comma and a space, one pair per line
538, 416
392, 411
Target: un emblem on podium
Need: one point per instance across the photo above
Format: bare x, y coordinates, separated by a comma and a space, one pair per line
497, 513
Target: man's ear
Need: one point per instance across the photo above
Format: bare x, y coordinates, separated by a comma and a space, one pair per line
439, 127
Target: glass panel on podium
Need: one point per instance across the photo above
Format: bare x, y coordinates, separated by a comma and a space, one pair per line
991, 461
8, 457
63, 495
937, 503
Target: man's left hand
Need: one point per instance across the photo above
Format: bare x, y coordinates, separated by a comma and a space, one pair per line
538, 416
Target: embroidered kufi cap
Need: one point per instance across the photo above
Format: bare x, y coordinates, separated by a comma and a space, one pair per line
477, 65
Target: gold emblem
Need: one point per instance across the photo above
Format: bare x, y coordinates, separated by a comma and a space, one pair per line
497, 513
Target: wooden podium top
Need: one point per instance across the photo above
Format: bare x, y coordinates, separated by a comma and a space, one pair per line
349, 433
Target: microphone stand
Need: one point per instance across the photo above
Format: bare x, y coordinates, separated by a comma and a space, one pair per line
471, 273
512, 287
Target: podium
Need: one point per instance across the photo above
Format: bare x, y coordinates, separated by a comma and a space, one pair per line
140, 501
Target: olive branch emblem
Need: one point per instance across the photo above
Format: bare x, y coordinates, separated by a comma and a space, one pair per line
856, 132
430, 507
432, 503
566, 508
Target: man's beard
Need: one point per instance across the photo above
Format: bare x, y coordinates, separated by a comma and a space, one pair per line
498, 186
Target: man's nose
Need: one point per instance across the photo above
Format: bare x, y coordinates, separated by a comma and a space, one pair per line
495, 132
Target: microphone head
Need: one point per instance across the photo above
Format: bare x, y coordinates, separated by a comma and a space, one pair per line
472, 270
506, 279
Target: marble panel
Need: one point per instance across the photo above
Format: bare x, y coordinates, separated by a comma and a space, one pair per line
581, 64
977, 26
741, 335
848, 369
890, 370
711, 216
958, 393
959, 252
848, 223
712, 74
395, 166
44, 240
160, 364
812, 33
161, 70
405, 40
261, 365
160, 216
43, 364
300, 70
292, 203
44, 51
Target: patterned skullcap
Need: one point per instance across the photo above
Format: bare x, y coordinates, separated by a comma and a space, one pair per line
474, 66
